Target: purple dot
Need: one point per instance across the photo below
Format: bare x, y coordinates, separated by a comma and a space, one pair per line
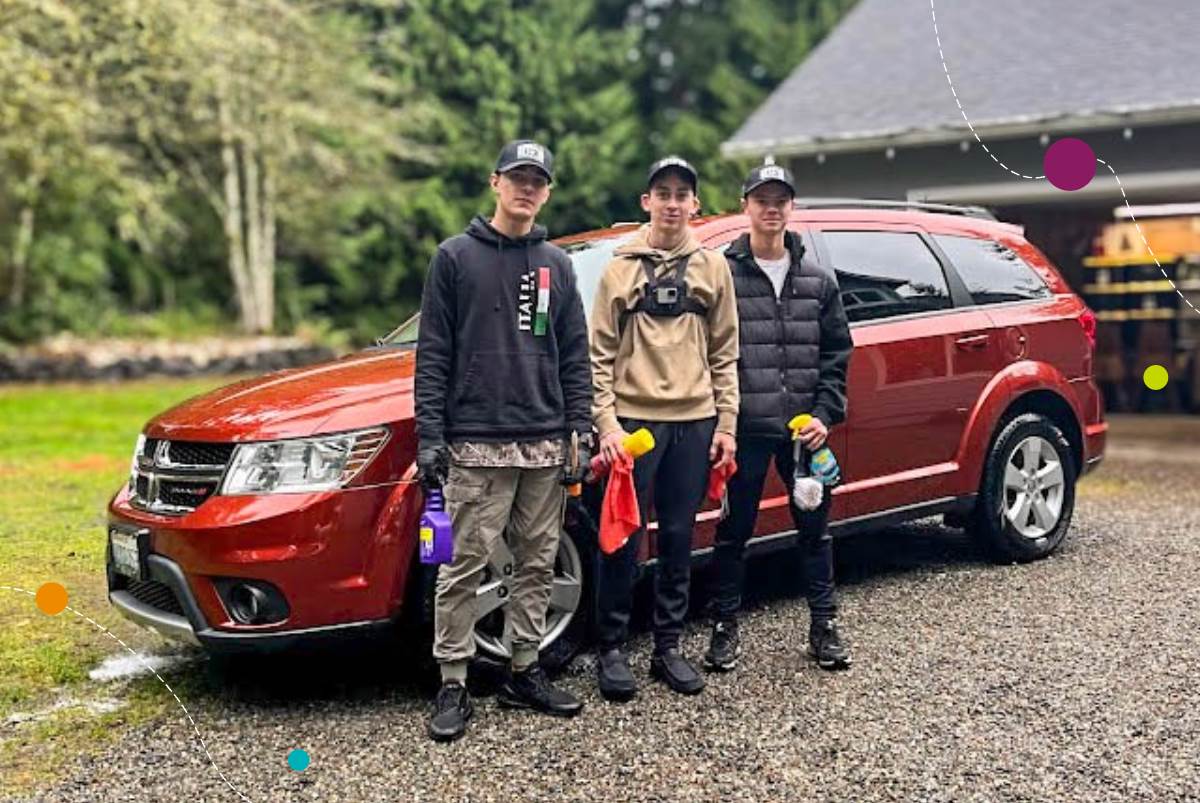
1070, 164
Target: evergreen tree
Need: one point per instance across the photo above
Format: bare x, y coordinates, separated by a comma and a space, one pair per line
707, 64
483, 72
211, 157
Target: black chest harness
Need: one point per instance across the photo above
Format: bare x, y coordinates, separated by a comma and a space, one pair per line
665, 296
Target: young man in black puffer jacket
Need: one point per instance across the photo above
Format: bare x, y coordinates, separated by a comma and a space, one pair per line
794, 351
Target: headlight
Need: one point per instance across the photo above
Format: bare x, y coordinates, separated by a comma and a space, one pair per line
137, 450
308, 464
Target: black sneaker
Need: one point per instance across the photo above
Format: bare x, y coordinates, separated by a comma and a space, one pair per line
676, 671
613, 676
532, 689
825, 645
722, 652
451, 710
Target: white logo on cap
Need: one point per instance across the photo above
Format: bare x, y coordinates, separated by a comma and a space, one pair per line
673, 161
531, 151
772, 173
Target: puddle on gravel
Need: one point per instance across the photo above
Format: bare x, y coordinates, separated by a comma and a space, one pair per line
122, 665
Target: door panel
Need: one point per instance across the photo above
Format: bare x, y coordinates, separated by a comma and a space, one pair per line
921, 358
912, 386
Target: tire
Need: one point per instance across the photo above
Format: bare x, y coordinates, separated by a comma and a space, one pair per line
1018, 517
558, 654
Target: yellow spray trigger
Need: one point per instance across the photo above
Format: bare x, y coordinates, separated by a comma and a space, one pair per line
798, 423
638, 443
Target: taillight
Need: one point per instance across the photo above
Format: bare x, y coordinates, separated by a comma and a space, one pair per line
1087, 319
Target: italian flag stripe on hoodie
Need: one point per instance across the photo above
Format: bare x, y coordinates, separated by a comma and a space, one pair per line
543, 302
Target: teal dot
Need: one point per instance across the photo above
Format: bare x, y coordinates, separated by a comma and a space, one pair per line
298, 760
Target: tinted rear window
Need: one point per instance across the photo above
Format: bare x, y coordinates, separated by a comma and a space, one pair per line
992, 271
886, 273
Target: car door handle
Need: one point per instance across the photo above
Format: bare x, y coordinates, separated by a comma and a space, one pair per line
972, 341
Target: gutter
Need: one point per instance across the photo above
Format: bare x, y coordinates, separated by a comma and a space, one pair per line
1010, 129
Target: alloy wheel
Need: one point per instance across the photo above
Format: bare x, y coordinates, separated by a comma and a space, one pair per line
493, 634
1034, 487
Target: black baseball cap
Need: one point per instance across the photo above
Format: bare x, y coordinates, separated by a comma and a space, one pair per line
765, 174
673, 163
525, 152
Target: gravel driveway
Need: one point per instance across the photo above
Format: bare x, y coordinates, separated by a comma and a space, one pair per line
1072, 679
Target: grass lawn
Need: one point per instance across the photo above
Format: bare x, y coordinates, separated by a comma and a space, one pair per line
64, 450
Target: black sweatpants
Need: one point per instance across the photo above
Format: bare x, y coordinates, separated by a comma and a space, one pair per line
815, 547
675, 476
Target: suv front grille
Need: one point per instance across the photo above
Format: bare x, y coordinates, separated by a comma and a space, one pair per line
176, 477
185, 494
199, 454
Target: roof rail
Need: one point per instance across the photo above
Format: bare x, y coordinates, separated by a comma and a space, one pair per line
900, 206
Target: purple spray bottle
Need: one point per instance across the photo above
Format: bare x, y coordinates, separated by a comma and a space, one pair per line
436, 536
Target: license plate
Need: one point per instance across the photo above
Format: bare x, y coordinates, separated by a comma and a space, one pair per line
126, 554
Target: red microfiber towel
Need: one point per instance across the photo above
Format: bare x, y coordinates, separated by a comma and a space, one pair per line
619, 515
718, 477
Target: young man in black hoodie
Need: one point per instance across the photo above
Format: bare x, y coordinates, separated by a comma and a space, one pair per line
793, 354
502, 383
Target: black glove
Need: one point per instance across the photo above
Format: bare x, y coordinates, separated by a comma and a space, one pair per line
433, 466
575, 474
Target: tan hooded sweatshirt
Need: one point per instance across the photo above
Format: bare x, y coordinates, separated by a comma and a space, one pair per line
658, 368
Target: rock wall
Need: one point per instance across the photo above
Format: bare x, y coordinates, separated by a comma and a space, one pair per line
70, 358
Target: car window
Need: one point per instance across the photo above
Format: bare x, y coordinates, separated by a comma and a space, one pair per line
885, 273
992, 271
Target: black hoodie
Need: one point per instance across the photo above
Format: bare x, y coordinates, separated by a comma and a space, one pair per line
484, 372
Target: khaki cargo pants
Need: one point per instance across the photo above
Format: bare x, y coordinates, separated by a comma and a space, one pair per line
485, 505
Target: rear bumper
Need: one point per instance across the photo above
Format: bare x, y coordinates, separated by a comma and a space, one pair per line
1095, 439
1089, 408
190, 627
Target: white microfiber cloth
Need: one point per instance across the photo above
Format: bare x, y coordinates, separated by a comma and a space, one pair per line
807, 493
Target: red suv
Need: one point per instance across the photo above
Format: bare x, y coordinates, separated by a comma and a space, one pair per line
284, 508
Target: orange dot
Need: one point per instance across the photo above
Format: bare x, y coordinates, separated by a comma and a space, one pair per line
51, 598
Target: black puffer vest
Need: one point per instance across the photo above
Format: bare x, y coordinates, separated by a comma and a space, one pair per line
780, 337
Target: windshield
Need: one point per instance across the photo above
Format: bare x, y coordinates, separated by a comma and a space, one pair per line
588, 259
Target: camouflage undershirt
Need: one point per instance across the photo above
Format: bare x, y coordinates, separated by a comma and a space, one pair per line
526, 454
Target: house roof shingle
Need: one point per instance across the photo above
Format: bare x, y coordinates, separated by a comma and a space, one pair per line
1082, 63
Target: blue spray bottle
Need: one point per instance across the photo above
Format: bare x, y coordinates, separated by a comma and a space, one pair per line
812, 473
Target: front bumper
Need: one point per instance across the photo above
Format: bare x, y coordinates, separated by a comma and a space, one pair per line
340, 561
190, 627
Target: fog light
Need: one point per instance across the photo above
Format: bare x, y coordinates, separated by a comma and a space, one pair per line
252, 602
247, 604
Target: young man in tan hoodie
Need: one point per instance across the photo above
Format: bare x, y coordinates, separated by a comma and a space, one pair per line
664, 348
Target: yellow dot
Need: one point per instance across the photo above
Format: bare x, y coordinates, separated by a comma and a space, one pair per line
1155, 377
51, 598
